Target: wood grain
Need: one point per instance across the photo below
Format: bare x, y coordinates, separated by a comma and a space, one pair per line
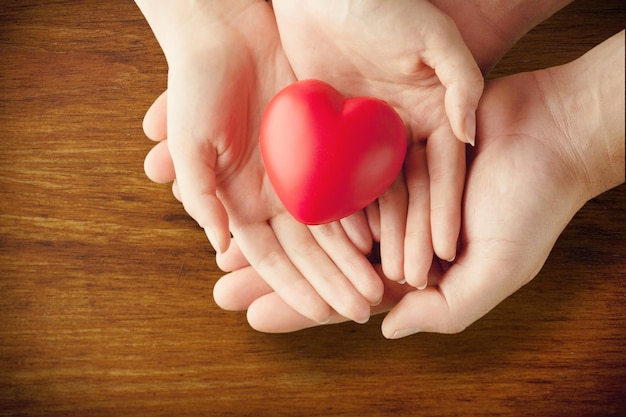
105, 284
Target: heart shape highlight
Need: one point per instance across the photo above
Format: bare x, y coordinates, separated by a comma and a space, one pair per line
328, 156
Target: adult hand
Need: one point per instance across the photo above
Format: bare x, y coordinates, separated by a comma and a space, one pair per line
550, 141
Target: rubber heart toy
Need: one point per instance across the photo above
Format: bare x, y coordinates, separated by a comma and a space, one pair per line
327, 156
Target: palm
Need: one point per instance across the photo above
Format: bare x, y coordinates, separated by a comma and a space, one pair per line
519, 178
241, 181
520, 194
361, 55
255, 69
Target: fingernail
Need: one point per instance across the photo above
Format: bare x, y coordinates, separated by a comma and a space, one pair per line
399, 334
321, 323
210, 234
402, 282
422, 287
470, 127
452, 260
363, 321
377, 302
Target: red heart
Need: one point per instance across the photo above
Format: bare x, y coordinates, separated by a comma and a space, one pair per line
327, 156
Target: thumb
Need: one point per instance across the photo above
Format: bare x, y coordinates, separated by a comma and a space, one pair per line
458, 72
194, 158
473, 286
195, 176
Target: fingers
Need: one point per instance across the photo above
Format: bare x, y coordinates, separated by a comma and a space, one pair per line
372, 213
270, 314
323, 270
158, 164
155, 120
457, 70
441, 310
345, 263
233, 259
393, 216
260, 244
237, 290
420, 214
358, 231
446, 168
351, 262
294, 261
418, 247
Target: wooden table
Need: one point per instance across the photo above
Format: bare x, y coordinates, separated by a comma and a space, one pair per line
105, 283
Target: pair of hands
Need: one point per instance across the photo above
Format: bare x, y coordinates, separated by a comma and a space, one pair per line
208, 126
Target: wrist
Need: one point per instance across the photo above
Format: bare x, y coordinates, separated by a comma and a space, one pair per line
183, 26
588, 107
491, 27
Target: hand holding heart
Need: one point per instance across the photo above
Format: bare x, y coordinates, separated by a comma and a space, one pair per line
207, 126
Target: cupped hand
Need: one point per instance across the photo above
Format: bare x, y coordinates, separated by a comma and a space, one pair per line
207, 126
411, 55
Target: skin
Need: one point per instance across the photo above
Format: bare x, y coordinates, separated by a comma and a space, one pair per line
491, 27
208, 143
207, 128
411, 55
548, 141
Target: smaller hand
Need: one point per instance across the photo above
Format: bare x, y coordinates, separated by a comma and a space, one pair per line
207, 127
